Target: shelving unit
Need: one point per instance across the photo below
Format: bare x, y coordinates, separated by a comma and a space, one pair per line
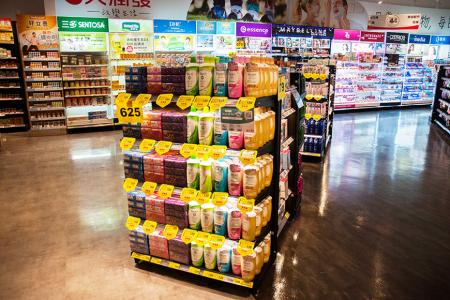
392, 79
13, 108
418, 84
441, 105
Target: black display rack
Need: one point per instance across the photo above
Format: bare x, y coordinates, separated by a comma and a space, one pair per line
13, 106
441, 105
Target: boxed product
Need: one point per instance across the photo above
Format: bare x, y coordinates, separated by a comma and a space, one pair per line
139, 241
179, 251
155, 209
176, 212
136, 80
133, 164
154, 168
130, 130
136, 204
158, 245
175, 170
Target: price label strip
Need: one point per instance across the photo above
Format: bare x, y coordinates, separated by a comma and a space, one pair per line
245, 205
219, 198
318, 97
122, 99
140, 256
203, 151
132, 223
188, 194
163, 147
213, 275
188, 235
164, 99
241, 282
185, 101
246, 103
173, 265
148, 188
194, 270
245, 247
217, 103
203, 198
149, 226
170, 231
127, 143
142, 99
216, 241
200, 102
147, 145
187, 150
156, 260
202, 238
281, 87
165, 191
248, 157
217, 152
129, 184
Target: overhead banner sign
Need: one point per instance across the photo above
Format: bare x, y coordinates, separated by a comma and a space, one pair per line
373, 37
253, 30
225, 39
174, 35
115, 9
79, 34
130, 37
396, 38
440, 40
347, 35
118, 25
394, 22
79, 24
302, 31
175, 26
419, 39
37, 32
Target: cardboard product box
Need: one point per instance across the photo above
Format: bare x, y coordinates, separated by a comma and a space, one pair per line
153, 115
172, 78
175, 180
155, 177
154, 88
175, 161
179, 251
133, 174
174, 136
129, 70
135, 204
139, 241
158, 245
180, 222
173, 88
133, 156
155, 209
178, 127
175, 207
156, 78
131, 130
153, 134
154, 70
137, 212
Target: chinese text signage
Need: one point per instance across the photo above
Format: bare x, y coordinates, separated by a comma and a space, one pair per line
116, 9
75, 24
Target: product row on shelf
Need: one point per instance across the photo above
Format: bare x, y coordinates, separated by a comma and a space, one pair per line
441, 105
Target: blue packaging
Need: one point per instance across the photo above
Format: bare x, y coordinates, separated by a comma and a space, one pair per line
220, 220
224, 259
220, 176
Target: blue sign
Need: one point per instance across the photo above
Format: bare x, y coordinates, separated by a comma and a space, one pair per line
419, 39
440, 40
174, 26
226, 28
302, 31
206, 27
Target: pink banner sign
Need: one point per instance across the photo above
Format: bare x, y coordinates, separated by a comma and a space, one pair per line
370, 36
347, 35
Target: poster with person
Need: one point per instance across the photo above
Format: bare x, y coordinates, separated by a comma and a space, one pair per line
37, 33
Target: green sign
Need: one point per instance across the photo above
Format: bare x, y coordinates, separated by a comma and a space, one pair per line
82, 41
118, 25
76, 24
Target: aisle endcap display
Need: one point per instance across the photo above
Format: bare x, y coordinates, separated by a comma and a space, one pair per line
441, 105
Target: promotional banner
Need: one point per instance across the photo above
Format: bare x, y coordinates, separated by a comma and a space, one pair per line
121, 25
37, 32
396, 38
205, 35
130, 37
419, 39
125, 9
347, 35
302, 31
370, 36
6, 35
440, 40
225, 39
253, 36
79, 34
174, 35
394, 21
175, 26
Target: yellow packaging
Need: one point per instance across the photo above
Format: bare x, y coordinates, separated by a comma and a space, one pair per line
259, 259
265, 212
250, 181
266, 249
248, 267
249, 226
258, 211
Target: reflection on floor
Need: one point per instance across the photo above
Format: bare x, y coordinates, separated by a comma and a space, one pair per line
374, 224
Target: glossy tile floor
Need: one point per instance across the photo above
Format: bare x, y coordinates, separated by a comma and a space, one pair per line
375, 220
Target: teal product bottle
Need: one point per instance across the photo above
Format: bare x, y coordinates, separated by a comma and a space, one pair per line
220, 220
220, 135
221, 175
192, 126
193, 173
220, 77
192, 75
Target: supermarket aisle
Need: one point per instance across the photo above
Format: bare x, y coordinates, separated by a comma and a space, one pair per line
374, 219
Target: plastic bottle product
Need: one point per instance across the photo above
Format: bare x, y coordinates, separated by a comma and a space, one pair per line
258, 211
266, 249
264, 214
192, 126
248, 267
236, 260
206, 75
316, 146
210, 257
271, 125
193, 172
250, 181
194, 215
206, 127
196, 254
274, 68
259, 259
220, 135
220, 77
252, 78
265, 162
235, 78
234, 224
249, 226
206, 176
270, 167
207, 217
220, 220
221, 175
261, 174
235, 177
236, 139
224, 258
269, 207
266, 84
191, 80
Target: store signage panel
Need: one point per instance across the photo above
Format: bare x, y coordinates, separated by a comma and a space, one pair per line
118, 25
129, 43
261, 30
206, 27
369, 36
419, 39
347, 35
226, 28
38, 31
302, 31
83, 41
120, 9
440, 40
396, 38
175, 26
76, 24
5, 24
395, 21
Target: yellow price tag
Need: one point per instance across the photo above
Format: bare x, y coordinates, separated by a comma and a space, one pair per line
140, 256
208, 274
307, 75
149, 226
185, 101
203, 151
128, 112
323, 76
216, 241
202, 238
188, 194
245, 247
241, 282
163, 147
245, 205
170, 231
156, 260
318, 97
188, 235
187, 150
240, 44
164, 99
147, 145
142, 99
309, 96
217, 152
132, 223
194, 270
246, 103
148, 188
201, 102
308, 116
174, 265
317, 117
248, 157
165, 191
314, 76
287, 215
217, 103
203, 198
281, 87
219, 198
129, 184
127, 143
122, 99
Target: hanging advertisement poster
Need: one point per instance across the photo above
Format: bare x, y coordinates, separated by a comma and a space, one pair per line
394, 21
396, 43
371, 42
130, 39
440, 48
174, 35
205, 35
37, 32
418, 44
225, 39
253, 36
83, 34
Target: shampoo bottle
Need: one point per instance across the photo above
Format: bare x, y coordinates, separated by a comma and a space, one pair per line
220, 77
206, 127
193, 173
192, 126
191, 80
221, 175
220, 135
220, 220
206, 75
206, 176
234, 224
235, 78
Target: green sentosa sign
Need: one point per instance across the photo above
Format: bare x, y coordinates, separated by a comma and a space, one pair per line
76, 24
131, 26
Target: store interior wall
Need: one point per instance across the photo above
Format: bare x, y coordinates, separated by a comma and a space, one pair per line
11, 8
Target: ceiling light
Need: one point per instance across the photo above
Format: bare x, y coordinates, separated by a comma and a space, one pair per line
380, 2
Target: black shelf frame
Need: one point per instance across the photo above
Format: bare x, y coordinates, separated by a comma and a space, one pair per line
439, 116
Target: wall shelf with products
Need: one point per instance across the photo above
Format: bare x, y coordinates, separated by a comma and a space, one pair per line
441, 105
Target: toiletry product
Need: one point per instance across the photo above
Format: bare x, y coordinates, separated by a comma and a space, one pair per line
220, 220
192, 76
193, 172
236, 260
220, 135
196, 254
236, 139
235, 178
206, 176
234, 223
206, 75
192, 126
206, 127
235, 78
259, 259
252, 78
220, 77
224, 258
221, 175
207, 217
248, 267
249, 226
266, 249
210, 255
194, 215
250, 182
258, 211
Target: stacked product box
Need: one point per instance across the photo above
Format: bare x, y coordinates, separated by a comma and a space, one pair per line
136, 204
179, 251
154, 168
155, 209
132, 130
139, 241
133, 164
176, 212
158, 245
175, 167
162, 80
152, 126
174, 126
136, 80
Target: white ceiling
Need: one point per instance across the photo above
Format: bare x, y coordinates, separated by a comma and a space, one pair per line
417, 3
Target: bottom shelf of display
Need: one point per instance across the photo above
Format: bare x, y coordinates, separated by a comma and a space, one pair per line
88, 123
437, 122
311, 154
211, 274
282, 223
